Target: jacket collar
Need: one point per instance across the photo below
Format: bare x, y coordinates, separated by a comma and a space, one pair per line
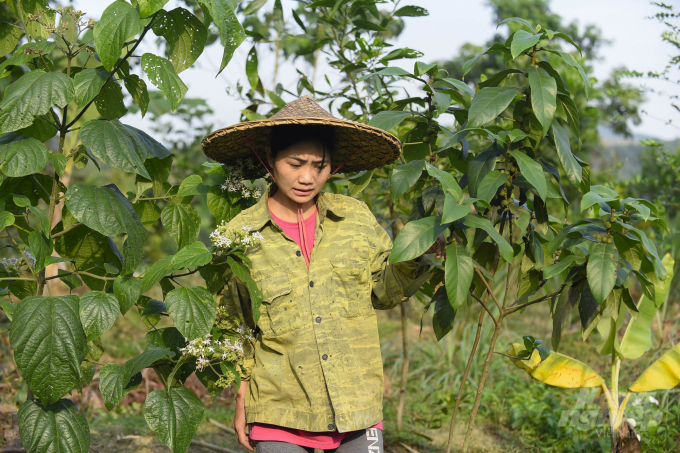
325, 203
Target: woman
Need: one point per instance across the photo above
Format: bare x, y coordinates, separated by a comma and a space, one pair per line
314, 377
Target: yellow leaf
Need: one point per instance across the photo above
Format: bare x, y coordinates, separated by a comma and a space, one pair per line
557, 370
663, 374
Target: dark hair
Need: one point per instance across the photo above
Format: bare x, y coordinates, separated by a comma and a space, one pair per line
286, 135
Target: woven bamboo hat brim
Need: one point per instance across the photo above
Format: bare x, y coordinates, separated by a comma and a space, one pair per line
231, 145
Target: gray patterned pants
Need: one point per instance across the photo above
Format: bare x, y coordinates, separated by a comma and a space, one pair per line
363, 441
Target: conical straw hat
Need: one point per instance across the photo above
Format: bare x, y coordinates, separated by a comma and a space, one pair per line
231, 145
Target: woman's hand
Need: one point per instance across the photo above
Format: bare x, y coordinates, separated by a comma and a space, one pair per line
438, 247
240, 418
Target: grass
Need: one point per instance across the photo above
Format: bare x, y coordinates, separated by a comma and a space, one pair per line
517, 414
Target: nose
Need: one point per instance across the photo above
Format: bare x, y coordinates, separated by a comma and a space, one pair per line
307, 174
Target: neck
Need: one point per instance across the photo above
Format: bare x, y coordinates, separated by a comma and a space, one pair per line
286, 209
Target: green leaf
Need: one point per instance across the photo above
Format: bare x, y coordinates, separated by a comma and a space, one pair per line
460, 269
98, 312
518, 20
504, 247
58, 162
601, 271
572, 62
185, 35
490, 184
25, 54
243, 274
567, 38
251, 68
21, 156
41, 248
560, 266
443, 101
114, 384
488, 104
192, 310
189, 186
31, 95
411, 11
416, 238
149, 7
57, 427
137, 89
571, 113
110, 103
127, 290
543, 96
156, 272
452, 209
150, 355
193, 255
389, 71
533, 172
253, 7
21, 201
106, 210
49, 345
478, 168
41, 129
182, 223
359, 182
147, 211
6, 219
174, 416
496, 47
120, 21
231, 30
121, 146
447, 180
389, 119
459, 85
404, 177
9, 37
521, 41
444, 313
161, 73
42, 218
223, 204
567, 300
159, 170
87, 84
569, 164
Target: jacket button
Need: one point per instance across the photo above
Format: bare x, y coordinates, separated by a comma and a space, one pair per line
298, 253
311, 284
318, 319
325, 357
331, 427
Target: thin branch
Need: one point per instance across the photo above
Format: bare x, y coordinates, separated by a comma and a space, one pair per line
29, 279
481, 302
539, 300
72, 227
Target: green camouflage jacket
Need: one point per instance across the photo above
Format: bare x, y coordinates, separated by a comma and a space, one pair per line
315, 364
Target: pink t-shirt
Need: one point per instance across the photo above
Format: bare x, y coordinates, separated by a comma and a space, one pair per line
266, 432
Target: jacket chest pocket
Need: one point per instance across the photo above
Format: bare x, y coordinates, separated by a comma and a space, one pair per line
351, 287
280, 313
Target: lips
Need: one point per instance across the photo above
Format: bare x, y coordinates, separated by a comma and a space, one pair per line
302, 192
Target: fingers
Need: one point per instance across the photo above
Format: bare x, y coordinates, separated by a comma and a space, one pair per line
245, 441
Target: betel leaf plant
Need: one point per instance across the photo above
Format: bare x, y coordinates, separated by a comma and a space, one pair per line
494, 187
66, 87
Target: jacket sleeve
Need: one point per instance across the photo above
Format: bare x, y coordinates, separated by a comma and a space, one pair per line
236, 300
389, 280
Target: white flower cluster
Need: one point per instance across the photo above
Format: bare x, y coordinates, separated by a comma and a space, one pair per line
224, 239
206, 349
234, 181
16, 263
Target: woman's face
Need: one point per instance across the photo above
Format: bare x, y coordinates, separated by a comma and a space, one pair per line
300, 170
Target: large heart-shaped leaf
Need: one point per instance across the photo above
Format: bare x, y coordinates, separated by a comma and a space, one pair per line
106, 210
120, 21
87, 84
31, 95
174, 416
415, 238
49, 345
231, 31
223, 204
601, 271
543, 96
193, 255
127, 290
459, 272
57, 427
114, 384
9, 37
182, 223
20, 155
149, 7
163, 75
98, 312
192, 310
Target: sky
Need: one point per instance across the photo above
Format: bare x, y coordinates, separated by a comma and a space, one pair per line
635, 44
